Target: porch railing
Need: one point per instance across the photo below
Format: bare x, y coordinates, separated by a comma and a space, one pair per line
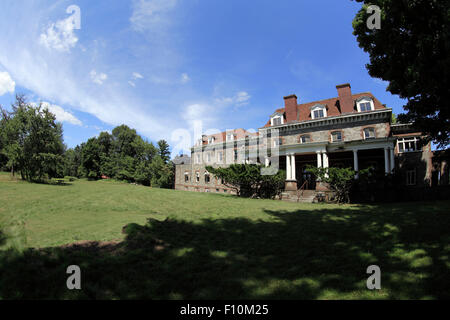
302, 190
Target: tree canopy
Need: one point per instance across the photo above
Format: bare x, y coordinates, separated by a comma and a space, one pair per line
411, 51
31, 142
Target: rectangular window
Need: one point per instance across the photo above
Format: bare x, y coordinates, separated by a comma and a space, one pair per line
365, 106
336, 136
198, 158
198, 177
235, 155
276, 121
318, 114
369, 133
410, 177
305, 139
207, 178
230, 137
219, 156
186, 177
407, 144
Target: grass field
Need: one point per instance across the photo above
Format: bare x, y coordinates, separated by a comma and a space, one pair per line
183, 245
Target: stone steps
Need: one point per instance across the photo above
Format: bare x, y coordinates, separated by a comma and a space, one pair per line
307, 196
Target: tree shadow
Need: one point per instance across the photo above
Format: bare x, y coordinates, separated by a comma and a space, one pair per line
314, 254
3, 238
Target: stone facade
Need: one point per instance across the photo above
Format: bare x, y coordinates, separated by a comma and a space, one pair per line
348, 131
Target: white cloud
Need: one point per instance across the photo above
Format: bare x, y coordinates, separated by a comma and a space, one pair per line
61, 114
60, 35
242, 98
131, 83
151, 15
6, 83
137, 75
98, 78
185, 78
239, 99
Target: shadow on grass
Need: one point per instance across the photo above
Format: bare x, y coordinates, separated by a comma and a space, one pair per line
2, 238
315, 254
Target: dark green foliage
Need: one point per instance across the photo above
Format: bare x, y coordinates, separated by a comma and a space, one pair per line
248, 181
341, 181
164, 151
412, 51
32, 141
124, 155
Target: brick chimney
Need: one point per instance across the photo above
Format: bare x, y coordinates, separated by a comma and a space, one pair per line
345, 97
290, 106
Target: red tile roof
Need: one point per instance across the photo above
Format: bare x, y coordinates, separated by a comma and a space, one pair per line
332, 104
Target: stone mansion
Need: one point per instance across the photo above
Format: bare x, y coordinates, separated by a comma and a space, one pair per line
350, 130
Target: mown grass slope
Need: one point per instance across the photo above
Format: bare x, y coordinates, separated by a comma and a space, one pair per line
184, 245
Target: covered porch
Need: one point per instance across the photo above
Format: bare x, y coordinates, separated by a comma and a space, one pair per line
296, 159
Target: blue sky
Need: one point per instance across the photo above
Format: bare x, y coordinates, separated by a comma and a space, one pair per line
161, 66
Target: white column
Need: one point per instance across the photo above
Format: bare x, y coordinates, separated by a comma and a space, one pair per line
267, 162
355, 162
392, 159
386, 160
293, 175
288, 167
325, 160
319, 159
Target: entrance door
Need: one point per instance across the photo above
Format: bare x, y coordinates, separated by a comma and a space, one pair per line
309, 177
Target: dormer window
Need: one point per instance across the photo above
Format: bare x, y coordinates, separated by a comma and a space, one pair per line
318, 111
336, 136
365, 104
276, 119
211, 140
230, 136
369, 133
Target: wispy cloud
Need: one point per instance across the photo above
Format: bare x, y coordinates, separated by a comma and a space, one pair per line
151, 15
98, 78
137, 75
6, 83
239, 99
185, 78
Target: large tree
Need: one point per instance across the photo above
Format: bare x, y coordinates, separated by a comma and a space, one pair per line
411, 50
32, 141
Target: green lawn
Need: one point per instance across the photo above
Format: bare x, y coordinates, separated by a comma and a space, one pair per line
207, 246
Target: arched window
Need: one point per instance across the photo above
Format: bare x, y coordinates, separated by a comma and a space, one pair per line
369, 133
207, 177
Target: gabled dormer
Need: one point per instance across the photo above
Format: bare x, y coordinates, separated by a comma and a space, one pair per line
318, 111
365, 103
277, 119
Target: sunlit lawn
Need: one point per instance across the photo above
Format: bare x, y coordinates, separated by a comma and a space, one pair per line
214, 246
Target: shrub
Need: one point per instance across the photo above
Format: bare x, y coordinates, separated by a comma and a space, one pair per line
247, 180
